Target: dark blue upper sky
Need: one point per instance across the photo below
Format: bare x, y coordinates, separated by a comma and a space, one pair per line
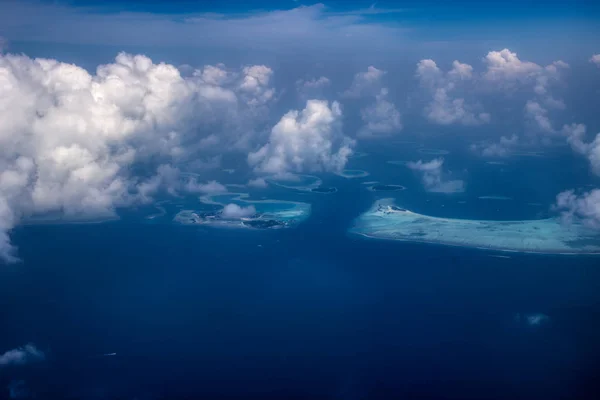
457, 9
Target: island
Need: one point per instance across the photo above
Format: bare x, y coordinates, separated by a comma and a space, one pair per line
385, 220
258, 214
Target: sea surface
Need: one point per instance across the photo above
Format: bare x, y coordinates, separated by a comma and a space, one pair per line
194, 312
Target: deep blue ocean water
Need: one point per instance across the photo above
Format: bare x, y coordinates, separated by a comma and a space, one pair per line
309, 312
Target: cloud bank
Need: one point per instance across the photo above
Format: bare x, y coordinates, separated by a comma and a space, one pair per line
70, 141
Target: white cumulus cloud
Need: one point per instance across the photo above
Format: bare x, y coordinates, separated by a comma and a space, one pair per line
258, 183
445, 108
584, 207
307, 140
233, 211
576, 134
434, 178
381, 118
500, 149
595, 60
365, 83
70, 140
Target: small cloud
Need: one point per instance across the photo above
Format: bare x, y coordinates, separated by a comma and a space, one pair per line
434, 178
21, 355
583, 207
233, 211
258, 183
595, 60
210, 187
365, 83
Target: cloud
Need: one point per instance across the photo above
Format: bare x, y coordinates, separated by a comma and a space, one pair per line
445, 108
307, 140
507, 72
258, 183
381, 118
211, 187
311, 27
576, 134
312, 88
233, 211
500, 149
505, 66
255, 85
539, 116
595, 60
21, 356
365, 83
584, 207
71, 141
433, 178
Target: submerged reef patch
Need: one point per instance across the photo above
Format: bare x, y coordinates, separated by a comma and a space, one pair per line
386, 188
353, 173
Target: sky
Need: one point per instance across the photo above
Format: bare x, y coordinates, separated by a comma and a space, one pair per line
106, 105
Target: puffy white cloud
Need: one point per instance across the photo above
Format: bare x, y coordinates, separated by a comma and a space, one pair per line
381, 118
576, 134
506, 71
233, 211
595, 59
307, 140
255, 85
312, 88
445, 108
314, 83
21, 356
583, 207
429, 73
506, 66
258, 183
500, 149
433, 177
539, 116
365, 83
211, 187
69, 140
460, 71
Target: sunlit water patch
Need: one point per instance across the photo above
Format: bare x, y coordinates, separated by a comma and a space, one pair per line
385, 220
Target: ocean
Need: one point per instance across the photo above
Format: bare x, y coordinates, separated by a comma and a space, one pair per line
139, 309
